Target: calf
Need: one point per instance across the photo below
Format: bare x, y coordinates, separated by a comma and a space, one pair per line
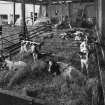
78, 35
38, 68
84, 61
19, 75
11, 65
16, 71
77, 38
94, 90
56, 67
84, 55
72, 75
34, 50
30, 47
23, 47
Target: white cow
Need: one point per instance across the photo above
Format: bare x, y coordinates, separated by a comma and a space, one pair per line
11, 65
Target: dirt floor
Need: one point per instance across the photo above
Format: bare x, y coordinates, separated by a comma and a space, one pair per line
54, 89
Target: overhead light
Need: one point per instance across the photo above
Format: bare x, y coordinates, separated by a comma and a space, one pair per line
54, 2
68, 1
62, 2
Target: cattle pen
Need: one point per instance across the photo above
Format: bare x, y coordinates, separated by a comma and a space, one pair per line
13, 46
61, 55
14, 98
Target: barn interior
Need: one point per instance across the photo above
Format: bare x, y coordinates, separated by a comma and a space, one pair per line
55, 25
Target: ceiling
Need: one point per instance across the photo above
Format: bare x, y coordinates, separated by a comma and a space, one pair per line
45, 2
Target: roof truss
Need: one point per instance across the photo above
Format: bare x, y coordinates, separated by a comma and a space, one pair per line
45, 2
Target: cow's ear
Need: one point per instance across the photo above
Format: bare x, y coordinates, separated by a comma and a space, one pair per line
80, 54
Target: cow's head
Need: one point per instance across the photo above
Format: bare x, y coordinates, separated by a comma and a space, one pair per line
54, 67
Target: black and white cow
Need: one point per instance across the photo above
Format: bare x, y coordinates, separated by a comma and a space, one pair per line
68, 72
30, 47
54, 68
84, 54
78, 35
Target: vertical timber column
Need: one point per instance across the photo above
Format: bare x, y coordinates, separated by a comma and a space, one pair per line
101, 19
40, 11
1, 40
69, 10
23, 18
101, 28
14, 12
47, 10
33, 13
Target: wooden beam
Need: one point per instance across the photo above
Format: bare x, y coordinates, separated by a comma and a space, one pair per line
28, 1
23, 16
33, 13
44, 2
13, 98
101, 35
14, 13
69, 8
101, 19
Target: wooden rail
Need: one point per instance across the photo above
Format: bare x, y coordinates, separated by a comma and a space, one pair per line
12, 98
14, 46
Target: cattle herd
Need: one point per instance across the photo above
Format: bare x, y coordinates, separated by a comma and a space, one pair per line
45, 61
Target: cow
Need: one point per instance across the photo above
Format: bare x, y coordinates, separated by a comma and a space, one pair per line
84, 55
30, 47
68, 72
16, 71
40, 66
78, 35
18, 75
73, 75
13, 65
94, 89
56, 67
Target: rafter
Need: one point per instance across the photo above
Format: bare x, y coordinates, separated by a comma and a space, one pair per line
44, 2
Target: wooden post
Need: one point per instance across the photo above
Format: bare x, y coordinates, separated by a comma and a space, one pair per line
14, 12
100, 4
69, 10
40, 11
47, 11
33, 13
101, 19
23, 19
1, 40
